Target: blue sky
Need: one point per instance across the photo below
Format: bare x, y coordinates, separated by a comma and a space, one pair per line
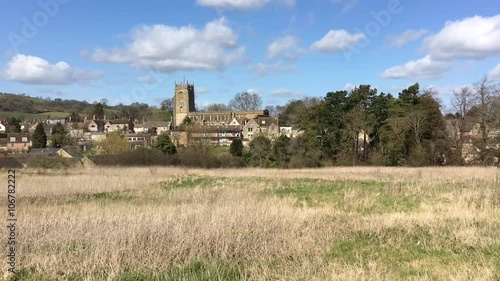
134, 51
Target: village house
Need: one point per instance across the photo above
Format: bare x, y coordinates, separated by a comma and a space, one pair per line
25, 126
18, 142
136, 140
61, 152
3, 144
223, 135
263, 126
118, 125
3, 129
152, 127
95, 125
55, 120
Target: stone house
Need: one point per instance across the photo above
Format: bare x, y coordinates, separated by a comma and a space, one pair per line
118, 125
95, 125
264, 126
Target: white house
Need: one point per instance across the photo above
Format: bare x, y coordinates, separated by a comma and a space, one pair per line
149, 127
2, 128
55, 120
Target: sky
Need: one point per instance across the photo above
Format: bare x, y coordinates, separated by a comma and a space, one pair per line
135, 51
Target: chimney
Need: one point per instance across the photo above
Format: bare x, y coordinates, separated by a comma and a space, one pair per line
105, 117
93, 117
85, 119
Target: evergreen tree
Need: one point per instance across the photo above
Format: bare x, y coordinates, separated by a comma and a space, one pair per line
165, 145
39, 139
260, 150
97, 111
281, 150
14, 126
236, 147
59, 135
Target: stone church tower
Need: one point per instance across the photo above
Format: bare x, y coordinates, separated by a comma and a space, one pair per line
183, 101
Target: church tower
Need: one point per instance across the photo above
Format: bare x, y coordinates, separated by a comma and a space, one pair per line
183, 101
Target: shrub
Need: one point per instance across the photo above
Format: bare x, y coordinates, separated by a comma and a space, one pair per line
199, 156
50, 162
236, 147
138, 157
229, 161
165, 145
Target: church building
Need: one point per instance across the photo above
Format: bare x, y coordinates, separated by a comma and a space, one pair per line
184, 106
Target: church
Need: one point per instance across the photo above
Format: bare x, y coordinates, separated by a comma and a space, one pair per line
184, 106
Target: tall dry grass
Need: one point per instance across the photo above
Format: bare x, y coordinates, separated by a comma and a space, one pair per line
99, 224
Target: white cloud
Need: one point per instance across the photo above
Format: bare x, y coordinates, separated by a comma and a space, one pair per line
146, 80
254, 91
494, 74
201, 90
398, 41
162, 48
263, 69
287, 93
348, 87
423, 68
346, 4
471, 38
286, 47
241, 4
337, 40
37, 71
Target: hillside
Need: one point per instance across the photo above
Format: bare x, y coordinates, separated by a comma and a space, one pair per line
25, 107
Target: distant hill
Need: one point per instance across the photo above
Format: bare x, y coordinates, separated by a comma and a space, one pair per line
25, 107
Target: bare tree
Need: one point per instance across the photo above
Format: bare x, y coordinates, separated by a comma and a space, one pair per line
246, 101
168, 105
462, 102
217, 107
485, 97
416, 122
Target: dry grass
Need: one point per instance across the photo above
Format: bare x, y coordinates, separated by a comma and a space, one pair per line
254, 224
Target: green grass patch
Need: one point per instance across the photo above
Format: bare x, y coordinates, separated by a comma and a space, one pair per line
195, 271
22, 115
414, 252
104, 197
56, 114
190, 182
359, 196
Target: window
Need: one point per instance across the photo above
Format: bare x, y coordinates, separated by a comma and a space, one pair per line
25, 139
250, 129
12, 139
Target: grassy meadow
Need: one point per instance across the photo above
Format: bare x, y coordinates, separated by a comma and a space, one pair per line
371, 223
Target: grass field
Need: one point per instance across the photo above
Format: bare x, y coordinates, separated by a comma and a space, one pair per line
257, 224
23, 116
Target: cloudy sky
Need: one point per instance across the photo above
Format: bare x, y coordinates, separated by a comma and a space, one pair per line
134, 51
